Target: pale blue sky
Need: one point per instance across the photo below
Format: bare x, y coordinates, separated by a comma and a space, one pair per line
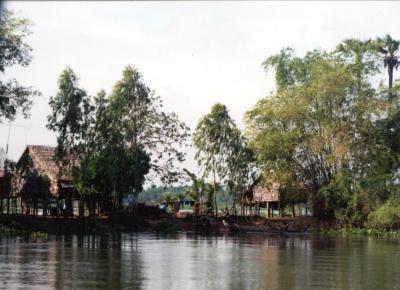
193, 54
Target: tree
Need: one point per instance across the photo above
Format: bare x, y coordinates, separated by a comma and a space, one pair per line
320, 134
361, 56
242, 171
14, 50
138, 113
201, 191
221, 149
131, 136
290, 70
389, 48
71, 119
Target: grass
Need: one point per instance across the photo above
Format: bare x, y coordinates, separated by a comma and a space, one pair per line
356, 231
14, 231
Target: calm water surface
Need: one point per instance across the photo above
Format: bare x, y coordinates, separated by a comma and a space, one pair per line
186, 261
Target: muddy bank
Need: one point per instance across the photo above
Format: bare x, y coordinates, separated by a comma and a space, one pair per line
237, 224
67, 225
166, 223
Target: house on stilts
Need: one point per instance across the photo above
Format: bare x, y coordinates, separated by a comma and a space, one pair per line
38, 184
273, 198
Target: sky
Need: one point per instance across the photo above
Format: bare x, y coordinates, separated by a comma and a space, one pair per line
193, 54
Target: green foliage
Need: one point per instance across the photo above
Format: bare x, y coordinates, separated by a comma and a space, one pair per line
119, 139
200, 190
291, 71
330, 134
356, 231
389, 47
361, 56
17, 231
138, 114
386, 216
14, 50
222, 152
170, 196
156, 194
70, 118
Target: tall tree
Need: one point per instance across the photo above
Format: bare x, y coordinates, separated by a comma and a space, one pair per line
220, 148
138, 113
14, 50
71, 120
132, 136
317, 134
290, 70
361, 56
389, 47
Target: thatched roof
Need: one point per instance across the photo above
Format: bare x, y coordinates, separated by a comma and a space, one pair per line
43, 162
43, 159
264, 193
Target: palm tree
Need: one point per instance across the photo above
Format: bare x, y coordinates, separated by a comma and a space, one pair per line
389, 47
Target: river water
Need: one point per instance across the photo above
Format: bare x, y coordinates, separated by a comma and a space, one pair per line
187, 261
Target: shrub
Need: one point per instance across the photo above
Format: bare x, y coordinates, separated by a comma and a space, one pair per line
386, 216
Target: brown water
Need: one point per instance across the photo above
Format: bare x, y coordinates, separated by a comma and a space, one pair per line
184, 261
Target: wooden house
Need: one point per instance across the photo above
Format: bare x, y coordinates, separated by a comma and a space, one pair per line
274, 198
267, 197
39, 183
5, 190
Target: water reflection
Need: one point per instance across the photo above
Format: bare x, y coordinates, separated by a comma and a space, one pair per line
185, 261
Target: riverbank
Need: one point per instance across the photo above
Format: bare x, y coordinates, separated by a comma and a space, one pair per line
41, 226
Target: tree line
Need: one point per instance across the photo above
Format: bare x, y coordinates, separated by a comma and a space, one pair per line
329, 133
111, 144
331, 130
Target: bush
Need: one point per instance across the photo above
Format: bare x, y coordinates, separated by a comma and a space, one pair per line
386, 216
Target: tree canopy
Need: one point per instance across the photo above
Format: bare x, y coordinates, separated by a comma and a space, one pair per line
121, 138
222, 151
323, 135
14, 50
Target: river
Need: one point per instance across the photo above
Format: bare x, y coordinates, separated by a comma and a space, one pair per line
187, 261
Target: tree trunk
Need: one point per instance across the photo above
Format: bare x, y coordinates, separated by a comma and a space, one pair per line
279, 209
215, 193
81, 207
70, 208
390, 72
44, 200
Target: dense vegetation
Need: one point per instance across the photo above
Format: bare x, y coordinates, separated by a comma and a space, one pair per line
328, 134
330, 131
223, 155
157, 194
14, 50
119, 139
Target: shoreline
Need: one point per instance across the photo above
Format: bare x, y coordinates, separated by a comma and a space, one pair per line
37, 226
